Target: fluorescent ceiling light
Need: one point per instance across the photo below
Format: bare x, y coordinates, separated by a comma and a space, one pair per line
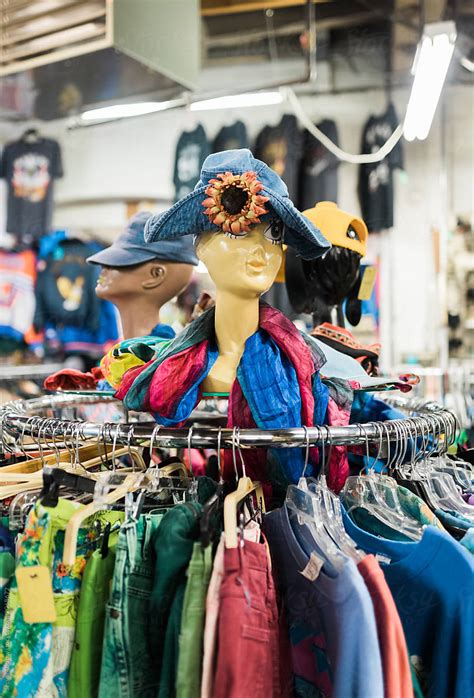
431, 65
122, 111
247, 99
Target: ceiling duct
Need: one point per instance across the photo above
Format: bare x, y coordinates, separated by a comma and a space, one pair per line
60, 56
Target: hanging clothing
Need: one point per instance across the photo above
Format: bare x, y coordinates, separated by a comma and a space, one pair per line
248, 657
319, 168
233, 137
191, 151
35, 657
17, 295
334, 644
375, 186
86, 659
437, 619
30, 169
74, 319
128, 669
393, 649
188, 678
280, 147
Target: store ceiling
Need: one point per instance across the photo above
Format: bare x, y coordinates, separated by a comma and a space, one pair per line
245, 44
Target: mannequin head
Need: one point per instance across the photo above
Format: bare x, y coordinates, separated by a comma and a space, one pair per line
155, 279
245, 266
139, 278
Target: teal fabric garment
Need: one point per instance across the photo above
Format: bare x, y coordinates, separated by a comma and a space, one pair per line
432, 583
128, 669
468, 540
455, 519
173, 545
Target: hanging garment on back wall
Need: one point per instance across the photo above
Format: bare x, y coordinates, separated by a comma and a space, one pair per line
29, 168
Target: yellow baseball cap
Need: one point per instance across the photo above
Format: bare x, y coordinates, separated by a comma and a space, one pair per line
334, 225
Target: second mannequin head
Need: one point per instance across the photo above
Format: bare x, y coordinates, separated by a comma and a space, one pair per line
154, 278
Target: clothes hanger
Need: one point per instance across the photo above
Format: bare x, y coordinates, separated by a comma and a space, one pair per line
31, 135
441, 486
368, 492
245, 488
81, 515
331, 506
306, 505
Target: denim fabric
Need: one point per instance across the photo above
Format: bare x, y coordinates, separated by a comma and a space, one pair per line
130, 248
187, 215
128, 669
188, 682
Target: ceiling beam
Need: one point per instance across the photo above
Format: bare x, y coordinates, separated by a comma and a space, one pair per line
210, 8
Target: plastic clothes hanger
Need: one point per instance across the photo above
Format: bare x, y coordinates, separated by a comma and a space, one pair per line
307, 507
330, 507
367, 492
440, 488
245, 488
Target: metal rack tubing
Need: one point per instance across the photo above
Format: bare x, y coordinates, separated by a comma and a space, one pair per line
20, 418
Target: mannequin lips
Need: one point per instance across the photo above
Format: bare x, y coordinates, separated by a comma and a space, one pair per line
256, 263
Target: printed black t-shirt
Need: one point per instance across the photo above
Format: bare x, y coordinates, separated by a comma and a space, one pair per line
191, 151
376, 179
30, 169
319, 168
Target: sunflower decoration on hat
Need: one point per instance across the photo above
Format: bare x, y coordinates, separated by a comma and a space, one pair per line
234, 202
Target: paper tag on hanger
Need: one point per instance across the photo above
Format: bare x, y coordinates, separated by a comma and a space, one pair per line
367, 283
313, 568
36, 594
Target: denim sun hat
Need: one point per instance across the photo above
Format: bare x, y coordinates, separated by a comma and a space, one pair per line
258, 195
130, 247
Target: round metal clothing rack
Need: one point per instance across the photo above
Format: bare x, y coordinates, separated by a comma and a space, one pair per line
22, 418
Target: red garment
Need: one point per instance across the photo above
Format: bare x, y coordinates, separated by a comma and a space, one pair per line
393, 646
70, 379
248, 653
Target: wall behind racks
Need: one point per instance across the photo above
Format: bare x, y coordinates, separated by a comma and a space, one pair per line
133, 159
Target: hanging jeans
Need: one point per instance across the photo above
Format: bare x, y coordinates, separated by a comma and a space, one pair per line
127, 670
248, 635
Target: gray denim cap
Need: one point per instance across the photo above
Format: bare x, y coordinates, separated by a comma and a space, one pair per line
130, 247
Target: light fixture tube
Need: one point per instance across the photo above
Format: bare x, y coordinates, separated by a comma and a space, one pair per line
431, 65
246, 99
123, 111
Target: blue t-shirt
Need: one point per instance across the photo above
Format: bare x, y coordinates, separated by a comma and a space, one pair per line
432, 582
333, 635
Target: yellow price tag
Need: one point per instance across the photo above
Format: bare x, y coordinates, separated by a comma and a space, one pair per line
367, 283
36, 594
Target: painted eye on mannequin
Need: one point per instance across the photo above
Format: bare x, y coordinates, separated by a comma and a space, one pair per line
234, 237
352, 234
275, 231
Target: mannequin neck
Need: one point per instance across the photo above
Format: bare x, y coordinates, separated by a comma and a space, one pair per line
236, 319
138, 317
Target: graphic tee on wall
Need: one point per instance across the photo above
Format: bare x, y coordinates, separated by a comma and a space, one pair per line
191, 151
376, 179
30, 169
